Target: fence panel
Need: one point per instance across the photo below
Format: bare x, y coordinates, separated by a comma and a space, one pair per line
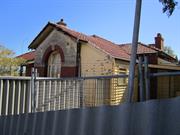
15, 95
167, 84
67, 93
57, 94
37, 94
155, 117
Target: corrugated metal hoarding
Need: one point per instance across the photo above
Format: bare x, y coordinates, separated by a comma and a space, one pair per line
155, 117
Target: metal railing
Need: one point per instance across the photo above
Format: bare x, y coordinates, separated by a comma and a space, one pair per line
37, 94
15, 95
167, 84
34, 94
67, 93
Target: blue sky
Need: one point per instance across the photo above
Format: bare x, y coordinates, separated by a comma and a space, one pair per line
22, 20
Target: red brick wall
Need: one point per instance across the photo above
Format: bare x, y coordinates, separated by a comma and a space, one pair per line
50, 50
69, 72
65, 71
153, 59
159, 42
29, 69
41, 71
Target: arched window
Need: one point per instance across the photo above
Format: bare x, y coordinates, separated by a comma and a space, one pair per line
54, 64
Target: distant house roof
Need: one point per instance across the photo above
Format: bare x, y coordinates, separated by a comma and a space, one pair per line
142, 49
29, 56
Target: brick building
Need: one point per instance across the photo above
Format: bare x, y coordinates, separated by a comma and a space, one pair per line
59, 51
63, 52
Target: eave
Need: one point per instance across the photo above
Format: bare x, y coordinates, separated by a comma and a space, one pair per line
45, 32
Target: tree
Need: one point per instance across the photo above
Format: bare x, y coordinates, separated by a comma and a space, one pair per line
9, 65
168, 6
168, 50
176, 57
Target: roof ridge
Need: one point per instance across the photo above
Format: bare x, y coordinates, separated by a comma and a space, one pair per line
120, 45
124, 49
82, 34
102, 38
157, 49
142, 48
65, 27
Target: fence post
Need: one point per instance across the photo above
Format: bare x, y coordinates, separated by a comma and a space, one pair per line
146, 75
81, 92
1, 96
141, 81
33, 77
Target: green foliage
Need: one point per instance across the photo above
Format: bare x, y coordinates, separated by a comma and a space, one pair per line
9, 65
176, 57
168, 6
168, 50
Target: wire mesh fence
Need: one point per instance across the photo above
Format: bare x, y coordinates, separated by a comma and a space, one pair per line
165, 84
59, 94
37, 94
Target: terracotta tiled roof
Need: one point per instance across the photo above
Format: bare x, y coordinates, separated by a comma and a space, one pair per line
117, 51
27, 56
109, 47
163, 53
142, 49
71, 32
104, 45
152, 46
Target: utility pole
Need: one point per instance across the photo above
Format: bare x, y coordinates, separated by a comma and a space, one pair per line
134, 50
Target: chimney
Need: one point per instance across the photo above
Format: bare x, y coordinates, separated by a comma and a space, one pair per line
159, 41
62, 23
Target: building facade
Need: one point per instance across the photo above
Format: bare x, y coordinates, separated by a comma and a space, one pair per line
59, 51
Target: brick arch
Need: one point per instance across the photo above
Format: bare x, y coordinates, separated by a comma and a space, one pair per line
51, 49
48, 52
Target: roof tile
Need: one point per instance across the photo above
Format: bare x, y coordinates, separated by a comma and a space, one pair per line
142, 49
98, 42
122, 51
28, 55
